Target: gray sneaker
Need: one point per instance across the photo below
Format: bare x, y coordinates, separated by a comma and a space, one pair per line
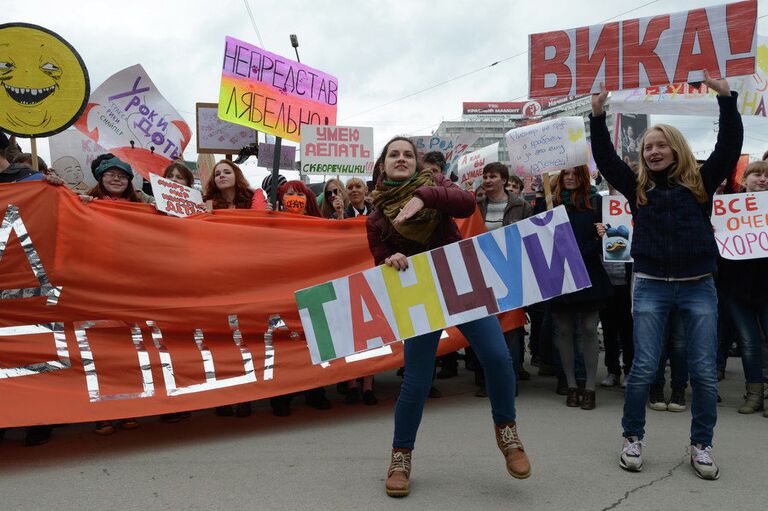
702, 462
677, 401
611, 380
631, 458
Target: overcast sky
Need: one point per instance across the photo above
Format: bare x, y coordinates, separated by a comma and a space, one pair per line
379, 50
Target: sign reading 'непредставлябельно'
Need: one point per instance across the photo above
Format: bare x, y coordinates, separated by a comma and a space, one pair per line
274, 94
523, 263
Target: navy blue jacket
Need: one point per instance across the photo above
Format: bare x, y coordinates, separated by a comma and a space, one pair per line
673, 236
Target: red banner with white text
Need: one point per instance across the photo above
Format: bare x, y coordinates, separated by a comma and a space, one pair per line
111, 310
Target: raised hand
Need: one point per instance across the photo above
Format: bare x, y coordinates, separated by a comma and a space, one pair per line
598, 101
719, 85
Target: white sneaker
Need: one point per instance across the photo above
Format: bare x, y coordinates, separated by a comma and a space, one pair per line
702, 462
631, 458
610, 381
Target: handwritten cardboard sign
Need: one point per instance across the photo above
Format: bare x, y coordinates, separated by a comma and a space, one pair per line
740, 221
451, 147
343, 150
645, 52
215, 136
176, 199
470, 166
617, 218
267, 156
273, 94
508, 268
550, 145
129, 117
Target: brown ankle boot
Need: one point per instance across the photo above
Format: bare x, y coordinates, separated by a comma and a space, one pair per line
511, 447
399, 473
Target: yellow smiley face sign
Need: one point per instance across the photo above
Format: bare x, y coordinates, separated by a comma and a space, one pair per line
44, 84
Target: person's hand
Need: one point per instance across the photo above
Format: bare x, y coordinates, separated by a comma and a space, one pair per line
719, 85
85, 199
598, 101
54, 179
600, 229
338, 204
412, 207
397, 261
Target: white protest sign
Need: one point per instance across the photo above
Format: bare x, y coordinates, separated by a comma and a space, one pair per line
740, 221
546, 146
215, 136
517, 265
130, 118
71, 156
341, 150
684, 99
451, 147
267, 156
617, 219
470, 166
176, 199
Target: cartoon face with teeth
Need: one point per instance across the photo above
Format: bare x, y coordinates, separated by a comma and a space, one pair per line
43, 82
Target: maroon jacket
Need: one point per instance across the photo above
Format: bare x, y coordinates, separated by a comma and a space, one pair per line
446, 197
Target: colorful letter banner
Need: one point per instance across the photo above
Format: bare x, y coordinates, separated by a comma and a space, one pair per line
274, 94
550, 145
619, 227
215, 136
523, 263
44, 79
129, 117
175, 199
267, 156
71, 156
740, 221
685, 99
342, 150
112, 310
645, 52
470, 166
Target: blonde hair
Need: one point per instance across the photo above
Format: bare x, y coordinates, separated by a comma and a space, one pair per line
756, 167
684, 170
357, 180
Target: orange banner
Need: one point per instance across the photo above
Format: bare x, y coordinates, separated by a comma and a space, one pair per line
111, 310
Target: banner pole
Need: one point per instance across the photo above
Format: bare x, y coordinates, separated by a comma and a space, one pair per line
275, 173
35, 165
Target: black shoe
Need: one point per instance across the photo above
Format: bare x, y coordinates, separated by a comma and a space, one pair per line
353, 396
434, 393
446, 372
281, 406
342, 387
318, 402
243, 410
523, 375
535, 360
171, 418
38, 435
481, 392
225, 411
2, 434
562, 385
656, 399
369, 398
401, 372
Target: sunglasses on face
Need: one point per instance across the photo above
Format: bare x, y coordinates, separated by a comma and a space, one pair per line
333, 193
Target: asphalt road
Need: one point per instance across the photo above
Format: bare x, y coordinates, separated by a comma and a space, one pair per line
337, 459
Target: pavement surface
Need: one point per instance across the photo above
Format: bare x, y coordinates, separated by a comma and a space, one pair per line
337, 459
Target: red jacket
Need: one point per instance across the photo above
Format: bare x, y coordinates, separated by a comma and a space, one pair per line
446, 197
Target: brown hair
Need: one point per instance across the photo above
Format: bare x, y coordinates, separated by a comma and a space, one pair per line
580, 195
756, 167
99, 192
326, 208
183, 170
243, 194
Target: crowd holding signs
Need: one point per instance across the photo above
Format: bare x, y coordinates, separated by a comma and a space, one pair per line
359, 308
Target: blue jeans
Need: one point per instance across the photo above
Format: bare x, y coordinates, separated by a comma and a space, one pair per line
674, 350
751, 322
696, 302
487, 341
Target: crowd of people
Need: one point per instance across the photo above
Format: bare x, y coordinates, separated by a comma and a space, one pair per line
677, 303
